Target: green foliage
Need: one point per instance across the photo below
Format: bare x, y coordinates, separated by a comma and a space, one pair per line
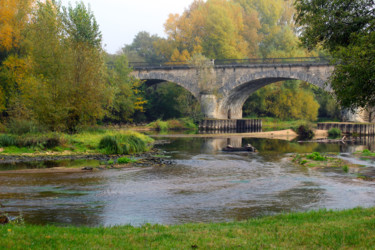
110, 162
273, 124
143, 48
7, 140
345, 168
110, 145
346, 29
316, 156
305, 132
23, 126
367, 152
125, 160
174, 124
285, 101
334, 132
128, 143
168, 101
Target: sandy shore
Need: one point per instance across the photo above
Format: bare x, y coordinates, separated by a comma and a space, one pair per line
287, 134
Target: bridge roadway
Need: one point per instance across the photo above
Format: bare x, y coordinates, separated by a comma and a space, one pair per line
223, 87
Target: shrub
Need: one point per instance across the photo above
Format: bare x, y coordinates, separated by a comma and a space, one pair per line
127, 143
345, 168
367, 152
110, 145
188, 123
42, 141
175, 125
131, 143
7, 140
334, 132
20, 127
316, 156
305, 132
125, 160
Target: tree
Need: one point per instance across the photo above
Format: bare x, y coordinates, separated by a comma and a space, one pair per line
143, 49
14, 15
126, 98
345, 28
88, 93
214, 28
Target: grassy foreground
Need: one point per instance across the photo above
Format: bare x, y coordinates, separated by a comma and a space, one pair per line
353, 228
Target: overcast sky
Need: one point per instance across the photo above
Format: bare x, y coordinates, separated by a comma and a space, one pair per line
121, 20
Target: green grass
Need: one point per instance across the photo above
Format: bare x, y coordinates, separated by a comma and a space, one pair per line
316, 156
274, 124
334, 133
125, 160
347, 229
367, 152
174, 124
87, 142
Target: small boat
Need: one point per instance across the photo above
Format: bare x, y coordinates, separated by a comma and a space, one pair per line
247, 148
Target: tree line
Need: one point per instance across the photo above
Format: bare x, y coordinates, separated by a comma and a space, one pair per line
55, 74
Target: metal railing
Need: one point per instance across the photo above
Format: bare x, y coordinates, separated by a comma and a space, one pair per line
234, 62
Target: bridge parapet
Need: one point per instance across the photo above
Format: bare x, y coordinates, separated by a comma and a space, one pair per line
220, 63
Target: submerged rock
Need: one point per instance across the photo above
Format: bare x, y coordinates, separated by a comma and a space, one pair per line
3, 220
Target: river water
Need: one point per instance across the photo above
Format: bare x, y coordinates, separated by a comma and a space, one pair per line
204, 184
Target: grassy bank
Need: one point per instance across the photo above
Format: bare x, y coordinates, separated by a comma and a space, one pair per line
174, 124
274, 124
89, 142
353, 228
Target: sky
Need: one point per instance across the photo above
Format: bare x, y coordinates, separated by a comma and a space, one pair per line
121, 20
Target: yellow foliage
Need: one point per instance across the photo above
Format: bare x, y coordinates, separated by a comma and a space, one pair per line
13, 19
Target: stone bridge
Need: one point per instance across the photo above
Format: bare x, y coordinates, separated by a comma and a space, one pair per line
224, 87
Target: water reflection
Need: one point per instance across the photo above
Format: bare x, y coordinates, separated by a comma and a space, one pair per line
205, 184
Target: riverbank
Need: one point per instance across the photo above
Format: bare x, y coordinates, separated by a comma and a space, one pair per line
286, 134
354, 228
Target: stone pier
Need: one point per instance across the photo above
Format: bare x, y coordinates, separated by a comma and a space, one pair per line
231, 125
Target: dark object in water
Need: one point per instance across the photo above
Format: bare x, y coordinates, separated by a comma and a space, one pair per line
3, 220
248, 148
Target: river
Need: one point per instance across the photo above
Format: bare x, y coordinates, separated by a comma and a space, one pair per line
204, 184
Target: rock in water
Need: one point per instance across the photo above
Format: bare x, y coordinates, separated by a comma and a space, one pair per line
3, 220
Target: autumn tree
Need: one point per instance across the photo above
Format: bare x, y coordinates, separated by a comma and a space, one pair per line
213, 28
14, 17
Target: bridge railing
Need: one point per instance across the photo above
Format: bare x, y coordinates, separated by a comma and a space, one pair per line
290, 60
235, 62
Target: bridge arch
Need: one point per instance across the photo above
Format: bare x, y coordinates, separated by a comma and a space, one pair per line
159, 77
247, 84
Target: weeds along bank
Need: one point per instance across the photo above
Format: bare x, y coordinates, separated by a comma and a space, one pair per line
347, 229
89, 142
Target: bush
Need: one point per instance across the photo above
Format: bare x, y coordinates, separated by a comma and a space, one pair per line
128, 143
334, 132
159, 125
131, 143
188, 123
175, 125
20, 127
316, 156
7, 140
42, 141
305, 132
110, 145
